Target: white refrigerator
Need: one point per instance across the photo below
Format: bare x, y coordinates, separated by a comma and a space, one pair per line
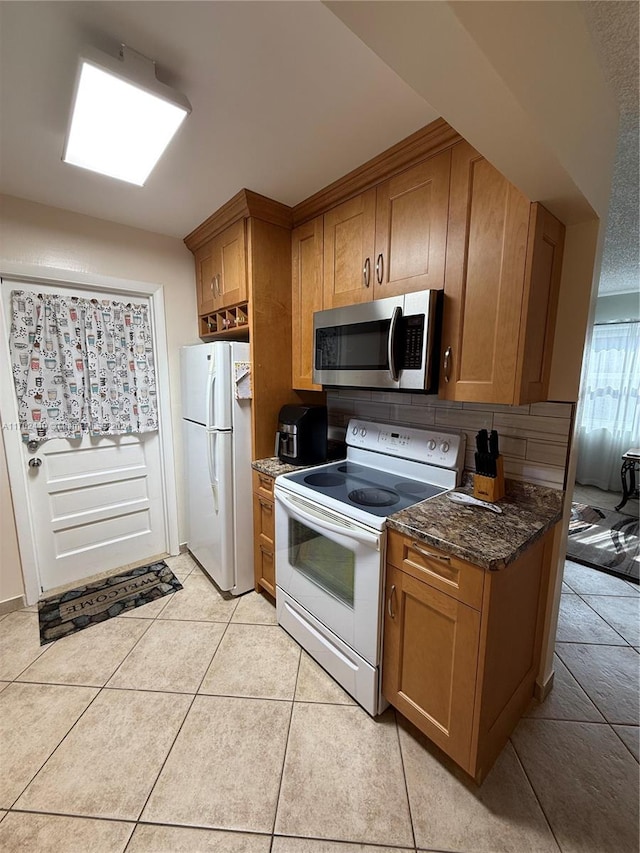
216, 432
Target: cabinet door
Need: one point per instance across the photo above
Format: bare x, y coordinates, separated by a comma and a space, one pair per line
542, 287
306, 297
205, 279
430, 661
263, 550
349, 241
411, 228
229, 260
484, 281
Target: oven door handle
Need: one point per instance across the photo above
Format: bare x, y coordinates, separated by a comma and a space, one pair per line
307, 515
394, 372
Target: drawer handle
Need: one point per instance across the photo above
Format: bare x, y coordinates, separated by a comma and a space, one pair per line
390, 602
266, 551
266, 505
443, 557
265, 481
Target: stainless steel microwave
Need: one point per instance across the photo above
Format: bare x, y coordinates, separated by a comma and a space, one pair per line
388, 343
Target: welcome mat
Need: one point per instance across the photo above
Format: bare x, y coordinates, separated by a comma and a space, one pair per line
605, 540
63, 614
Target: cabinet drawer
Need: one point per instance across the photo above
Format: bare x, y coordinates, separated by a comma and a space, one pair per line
263, 511
263, 485
457, 578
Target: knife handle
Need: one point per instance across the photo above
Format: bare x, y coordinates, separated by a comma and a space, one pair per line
482, 441
493, 444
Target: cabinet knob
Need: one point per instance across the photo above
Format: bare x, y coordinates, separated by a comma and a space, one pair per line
366, 273
380, 268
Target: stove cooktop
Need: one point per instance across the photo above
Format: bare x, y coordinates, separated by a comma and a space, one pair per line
369, 490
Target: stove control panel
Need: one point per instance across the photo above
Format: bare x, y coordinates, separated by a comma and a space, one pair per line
434, 447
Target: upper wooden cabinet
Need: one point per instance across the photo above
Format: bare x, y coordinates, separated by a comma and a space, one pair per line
411, 228
243, 273
390, 239
503, 265
221, 270
205, 279
306, 297
349, 242
229, 266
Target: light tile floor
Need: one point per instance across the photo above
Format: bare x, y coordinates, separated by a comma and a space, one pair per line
196, 724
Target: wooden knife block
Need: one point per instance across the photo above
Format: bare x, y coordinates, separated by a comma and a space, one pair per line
490, 489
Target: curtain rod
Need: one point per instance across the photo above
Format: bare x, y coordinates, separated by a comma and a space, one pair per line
616, 322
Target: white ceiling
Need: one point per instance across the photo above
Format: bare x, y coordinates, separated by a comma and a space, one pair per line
614, 30
285, 100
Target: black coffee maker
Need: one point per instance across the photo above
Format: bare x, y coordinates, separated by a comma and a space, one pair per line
302, 435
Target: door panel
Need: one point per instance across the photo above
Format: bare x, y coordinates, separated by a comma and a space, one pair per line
411, 228
349, 238
430, 661
210, 501
96, 505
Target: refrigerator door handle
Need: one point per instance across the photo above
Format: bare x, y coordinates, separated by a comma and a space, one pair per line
211, 454
211, 386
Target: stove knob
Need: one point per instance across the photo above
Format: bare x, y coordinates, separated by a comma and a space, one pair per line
355, 430
363, 432
444, 447
431, 445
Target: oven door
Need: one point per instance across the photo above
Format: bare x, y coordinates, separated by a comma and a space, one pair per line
332, 566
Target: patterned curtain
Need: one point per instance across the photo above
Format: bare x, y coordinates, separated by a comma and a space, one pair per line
81, 366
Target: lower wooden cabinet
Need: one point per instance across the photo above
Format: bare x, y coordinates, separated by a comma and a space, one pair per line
462, 645
264, 533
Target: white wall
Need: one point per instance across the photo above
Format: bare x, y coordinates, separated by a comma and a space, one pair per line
47, 237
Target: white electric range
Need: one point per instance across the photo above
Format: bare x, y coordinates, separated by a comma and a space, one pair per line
330, 541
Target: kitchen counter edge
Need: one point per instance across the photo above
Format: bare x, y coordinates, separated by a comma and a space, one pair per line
477, 535
273, 467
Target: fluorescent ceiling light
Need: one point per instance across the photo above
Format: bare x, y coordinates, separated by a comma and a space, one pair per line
123, 118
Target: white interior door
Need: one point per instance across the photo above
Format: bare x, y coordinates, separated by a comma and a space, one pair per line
95, 503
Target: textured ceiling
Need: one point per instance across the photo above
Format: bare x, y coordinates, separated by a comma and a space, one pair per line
614, 30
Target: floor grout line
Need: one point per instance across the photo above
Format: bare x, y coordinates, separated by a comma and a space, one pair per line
404, 776
173, 742
286, 747
535, 794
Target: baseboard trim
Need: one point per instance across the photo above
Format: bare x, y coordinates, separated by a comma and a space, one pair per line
11, 604
542, 689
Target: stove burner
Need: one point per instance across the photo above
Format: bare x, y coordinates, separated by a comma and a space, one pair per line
374, 497
324, 479
350, 468
412, 488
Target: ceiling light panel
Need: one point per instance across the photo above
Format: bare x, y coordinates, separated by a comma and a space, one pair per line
119, 125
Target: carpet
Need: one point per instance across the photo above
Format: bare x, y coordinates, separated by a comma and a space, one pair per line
605, 540
76, 609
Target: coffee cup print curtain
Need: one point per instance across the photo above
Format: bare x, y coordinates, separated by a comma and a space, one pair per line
81, 366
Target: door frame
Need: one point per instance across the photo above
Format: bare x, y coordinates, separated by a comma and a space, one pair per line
29, 274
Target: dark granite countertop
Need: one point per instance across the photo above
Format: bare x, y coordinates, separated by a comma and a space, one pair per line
478, 535
273, 466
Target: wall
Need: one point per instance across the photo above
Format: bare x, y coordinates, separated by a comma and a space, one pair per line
618, 306
534, 439
42, 236
11, 585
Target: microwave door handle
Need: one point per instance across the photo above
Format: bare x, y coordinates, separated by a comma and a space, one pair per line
394, 372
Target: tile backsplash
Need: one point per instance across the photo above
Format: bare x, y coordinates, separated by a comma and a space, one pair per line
534, 439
